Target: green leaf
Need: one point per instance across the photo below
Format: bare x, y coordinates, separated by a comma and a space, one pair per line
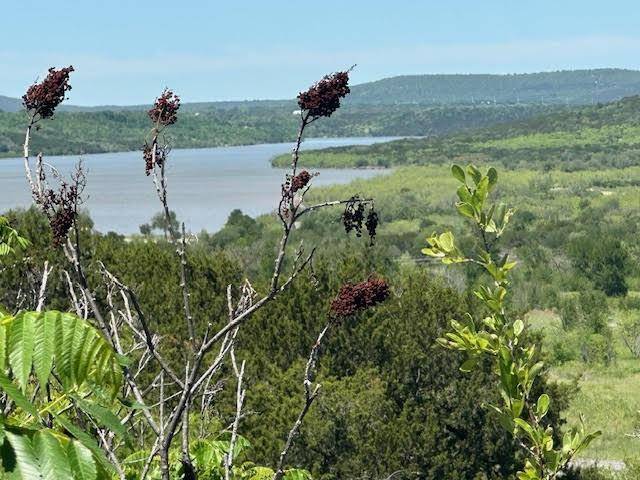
492, 175
102, 415
25, 455
466, 210
527, 428
518, 327
86, 440
446, 241
542, 407
469, 364
54, 463
3, 347
474, 173
16, 395
464, 195
458, 173
296, 474
45, 336
21, 342
81, 461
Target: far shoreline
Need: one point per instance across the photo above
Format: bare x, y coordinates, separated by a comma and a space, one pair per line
16, 155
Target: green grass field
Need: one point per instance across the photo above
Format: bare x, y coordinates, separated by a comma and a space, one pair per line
608, 397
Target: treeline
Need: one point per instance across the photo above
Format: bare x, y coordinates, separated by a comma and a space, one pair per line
109, 131
580, 138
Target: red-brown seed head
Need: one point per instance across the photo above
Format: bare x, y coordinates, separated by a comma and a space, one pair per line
356, 297
300, 181
323, 98
43, 98
165, 109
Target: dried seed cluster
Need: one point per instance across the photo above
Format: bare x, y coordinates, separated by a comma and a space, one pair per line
165, 110
43, 98
323, 98
60, 208
354, 218
300, 181
147, 154
355, 297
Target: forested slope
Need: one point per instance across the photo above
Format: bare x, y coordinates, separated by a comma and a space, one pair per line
109, 131
583, 137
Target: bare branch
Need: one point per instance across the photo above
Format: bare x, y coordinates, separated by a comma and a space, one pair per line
43, 286
310, 394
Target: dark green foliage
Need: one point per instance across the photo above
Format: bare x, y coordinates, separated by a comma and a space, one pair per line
604, 260
159, 223
385, 391
240, 230
385, 387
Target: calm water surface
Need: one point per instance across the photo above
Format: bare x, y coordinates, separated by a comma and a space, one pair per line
204, 184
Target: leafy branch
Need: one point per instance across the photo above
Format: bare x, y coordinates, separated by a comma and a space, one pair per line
498, 336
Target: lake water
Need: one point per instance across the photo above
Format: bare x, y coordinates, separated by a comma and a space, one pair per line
204, 185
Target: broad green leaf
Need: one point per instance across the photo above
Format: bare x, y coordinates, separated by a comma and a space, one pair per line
469, 364
296, 474
458, 173
54, 463
518, 327
43, 352
21, 342
492, 175
102, 415
81, 461
542, 407
86, 440
474, 173
466, 210
25, 454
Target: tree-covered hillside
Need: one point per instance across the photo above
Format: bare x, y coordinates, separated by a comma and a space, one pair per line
108, 131
576, 138
575, 87
8, 104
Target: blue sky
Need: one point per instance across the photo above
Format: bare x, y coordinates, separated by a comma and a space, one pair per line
126, 51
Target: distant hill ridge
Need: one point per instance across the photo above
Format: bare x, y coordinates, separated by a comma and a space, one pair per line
569, 87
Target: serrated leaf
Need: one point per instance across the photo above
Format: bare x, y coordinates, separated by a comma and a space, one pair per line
44, 345
102, 416
25, 456
20, 345
86, 440
54, 464
81, 461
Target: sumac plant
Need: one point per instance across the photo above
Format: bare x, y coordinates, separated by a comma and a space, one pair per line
60, 380
499, 336
159, 403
